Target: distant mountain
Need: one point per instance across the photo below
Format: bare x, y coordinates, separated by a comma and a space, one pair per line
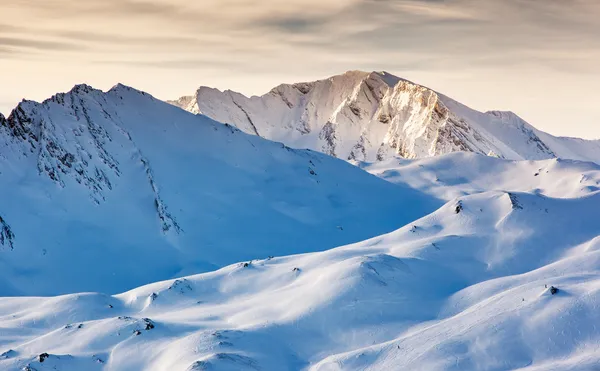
109, 191
374, 116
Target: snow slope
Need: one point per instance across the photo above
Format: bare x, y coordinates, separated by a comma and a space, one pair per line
374, 116
463, 288
109, 191
458, 174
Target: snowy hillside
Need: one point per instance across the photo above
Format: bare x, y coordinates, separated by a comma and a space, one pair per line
110, 191
458, 174
466, 287
137, 236
374, 116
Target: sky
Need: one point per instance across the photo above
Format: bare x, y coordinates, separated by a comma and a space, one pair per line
538, 58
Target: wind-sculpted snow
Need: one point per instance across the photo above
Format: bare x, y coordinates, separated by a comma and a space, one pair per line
374, 116
449, 176
462, 288
109, 191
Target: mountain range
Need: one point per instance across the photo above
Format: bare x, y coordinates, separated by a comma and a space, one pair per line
136, 235
374, 116
116, 189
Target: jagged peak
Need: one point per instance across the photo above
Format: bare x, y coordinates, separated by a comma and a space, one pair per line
86, 90
304, 86
355, 77
207, 89
83, 88
388, 78
122, 88
355, 73
78, 89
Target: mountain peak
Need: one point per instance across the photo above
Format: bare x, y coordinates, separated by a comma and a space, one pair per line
388, 78
122, 88
83, 88
371, 116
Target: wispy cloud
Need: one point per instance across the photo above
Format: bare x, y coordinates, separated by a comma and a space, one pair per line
457, 29
36, 44
233, 38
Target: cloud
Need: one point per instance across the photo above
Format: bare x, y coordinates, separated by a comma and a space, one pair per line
292, 24
39, 45
449, 29
190, 64
306, 38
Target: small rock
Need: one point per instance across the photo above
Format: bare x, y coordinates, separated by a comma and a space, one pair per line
42, 357
553, 290
149, 324
459, 207
8, 354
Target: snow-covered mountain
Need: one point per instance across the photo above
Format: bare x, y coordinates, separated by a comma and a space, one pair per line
374, 116
109, 191
466, 287
181, 243
461, 173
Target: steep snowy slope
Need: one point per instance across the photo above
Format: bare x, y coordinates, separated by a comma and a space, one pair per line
464, 288
109, 191
373, 116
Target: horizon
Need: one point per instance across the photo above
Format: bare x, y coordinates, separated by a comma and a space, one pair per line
536, 59
5, 110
